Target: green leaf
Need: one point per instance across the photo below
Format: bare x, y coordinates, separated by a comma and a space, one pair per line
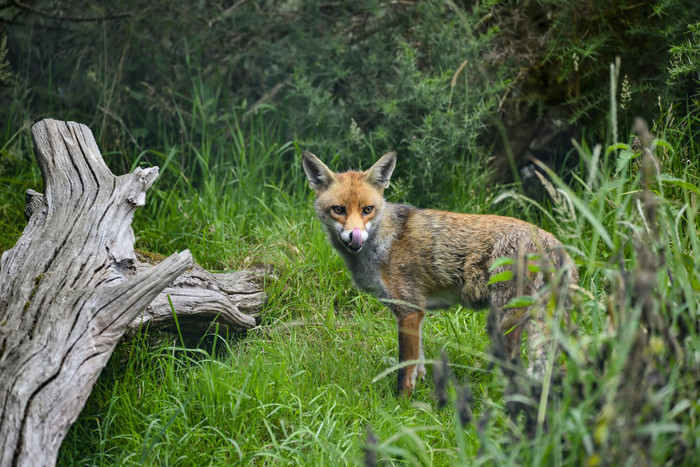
502, 261
623, 159
521, 302
579, 204
616, 147
501, 277
671, 180
660, 428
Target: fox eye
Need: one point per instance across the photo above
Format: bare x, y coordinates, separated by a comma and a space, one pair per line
340, 210
368, 209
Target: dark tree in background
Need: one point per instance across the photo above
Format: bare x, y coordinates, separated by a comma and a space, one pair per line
447, 85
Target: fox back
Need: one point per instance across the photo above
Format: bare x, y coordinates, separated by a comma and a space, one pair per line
422, 259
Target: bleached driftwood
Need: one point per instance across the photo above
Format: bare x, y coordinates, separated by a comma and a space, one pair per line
202, 300
69, 289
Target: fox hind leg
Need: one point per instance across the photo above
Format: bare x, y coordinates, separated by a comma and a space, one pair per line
421, 353
537, 346
513, 323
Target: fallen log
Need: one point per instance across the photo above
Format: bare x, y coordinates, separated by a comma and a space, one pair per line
203, 301
198, 299
73, 285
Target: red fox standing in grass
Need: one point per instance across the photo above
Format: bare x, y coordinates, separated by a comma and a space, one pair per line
423, 259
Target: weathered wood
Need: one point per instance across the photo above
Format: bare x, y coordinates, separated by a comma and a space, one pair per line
200, 299
68, 290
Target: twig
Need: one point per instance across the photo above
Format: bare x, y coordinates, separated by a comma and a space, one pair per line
44, 14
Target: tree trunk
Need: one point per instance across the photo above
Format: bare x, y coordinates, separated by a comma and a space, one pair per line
68, 290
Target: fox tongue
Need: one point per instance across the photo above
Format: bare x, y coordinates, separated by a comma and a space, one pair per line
356, 238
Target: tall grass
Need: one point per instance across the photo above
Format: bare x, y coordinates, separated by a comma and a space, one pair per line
308, 387
630, 390
18, 172
300, 388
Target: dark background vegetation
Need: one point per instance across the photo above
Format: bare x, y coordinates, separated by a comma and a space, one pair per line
433, 80
477, 98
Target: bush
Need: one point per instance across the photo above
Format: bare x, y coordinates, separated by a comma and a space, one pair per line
427, 79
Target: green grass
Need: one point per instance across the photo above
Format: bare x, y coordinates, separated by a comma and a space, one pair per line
303, 387
298, 392
18, 172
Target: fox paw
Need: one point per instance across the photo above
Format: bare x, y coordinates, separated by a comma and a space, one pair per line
420, 372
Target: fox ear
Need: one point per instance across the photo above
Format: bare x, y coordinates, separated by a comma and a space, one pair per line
319, 175
380, 173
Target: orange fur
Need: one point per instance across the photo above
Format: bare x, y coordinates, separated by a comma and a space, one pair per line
428, 259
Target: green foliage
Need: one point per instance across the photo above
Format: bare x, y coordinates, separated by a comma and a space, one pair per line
629, 393
630, 384
224, 97
427, 79
562, 51
685, 57
408, 97
588, 35
377, 75
6, 74
18, 172
298, 392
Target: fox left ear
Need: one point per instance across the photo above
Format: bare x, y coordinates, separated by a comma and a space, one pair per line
380, 173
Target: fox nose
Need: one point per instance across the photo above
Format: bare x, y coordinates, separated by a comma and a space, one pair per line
356, 238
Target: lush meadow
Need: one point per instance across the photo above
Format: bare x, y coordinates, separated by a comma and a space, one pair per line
306, 384
314, 382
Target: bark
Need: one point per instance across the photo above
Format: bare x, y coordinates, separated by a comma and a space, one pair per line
69, 289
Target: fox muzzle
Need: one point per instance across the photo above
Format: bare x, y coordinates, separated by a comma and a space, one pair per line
354, 239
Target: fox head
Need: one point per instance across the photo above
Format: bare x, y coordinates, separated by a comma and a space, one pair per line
349, 204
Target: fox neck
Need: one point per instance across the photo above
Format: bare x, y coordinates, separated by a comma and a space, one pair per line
364, 265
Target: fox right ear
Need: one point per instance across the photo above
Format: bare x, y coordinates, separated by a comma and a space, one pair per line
319, 175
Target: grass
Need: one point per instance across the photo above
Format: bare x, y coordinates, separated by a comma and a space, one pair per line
18, 172
304, 386
299, 392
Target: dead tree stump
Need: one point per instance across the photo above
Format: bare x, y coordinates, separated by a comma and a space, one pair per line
68, 290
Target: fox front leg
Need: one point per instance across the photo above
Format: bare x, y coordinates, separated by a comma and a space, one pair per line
410, 348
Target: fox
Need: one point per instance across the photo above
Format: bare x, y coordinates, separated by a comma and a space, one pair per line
418, 260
